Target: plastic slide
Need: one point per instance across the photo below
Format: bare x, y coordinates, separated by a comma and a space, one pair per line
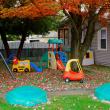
35, 67
60, 65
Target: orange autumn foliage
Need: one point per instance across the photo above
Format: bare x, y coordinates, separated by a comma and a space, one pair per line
31, 10
87, 8
41, 8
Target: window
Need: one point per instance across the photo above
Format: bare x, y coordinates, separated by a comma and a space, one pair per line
102, 39
87, 55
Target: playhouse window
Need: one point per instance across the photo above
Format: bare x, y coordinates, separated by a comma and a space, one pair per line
87, 55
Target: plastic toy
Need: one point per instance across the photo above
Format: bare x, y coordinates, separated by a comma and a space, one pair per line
55, 49
21, 66
70, 74
35, 67
44, 61
60, 65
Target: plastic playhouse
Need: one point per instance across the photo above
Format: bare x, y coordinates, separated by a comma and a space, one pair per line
76, 75
88, 58
56, 57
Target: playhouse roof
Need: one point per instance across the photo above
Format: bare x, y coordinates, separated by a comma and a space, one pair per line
55, 41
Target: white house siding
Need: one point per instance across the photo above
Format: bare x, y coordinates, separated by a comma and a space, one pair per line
102, 57
68, 39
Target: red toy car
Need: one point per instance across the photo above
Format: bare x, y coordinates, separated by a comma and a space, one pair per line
70, 75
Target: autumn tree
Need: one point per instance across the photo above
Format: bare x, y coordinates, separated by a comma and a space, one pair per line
13, 29
25, 9
32, 26
83, 15
4, 6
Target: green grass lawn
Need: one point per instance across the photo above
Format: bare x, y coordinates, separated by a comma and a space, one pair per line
6, 106
64, 103
75, 103
94, 68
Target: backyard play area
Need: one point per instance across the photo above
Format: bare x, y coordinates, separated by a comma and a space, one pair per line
52, 82
24, 83
54, 55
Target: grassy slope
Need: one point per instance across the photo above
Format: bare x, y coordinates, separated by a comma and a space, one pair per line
76, 102
63, 103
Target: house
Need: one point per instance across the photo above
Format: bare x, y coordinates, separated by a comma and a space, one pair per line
100, 44
42, 38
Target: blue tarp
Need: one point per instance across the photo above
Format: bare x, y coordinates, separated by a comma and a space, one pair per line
103, 92
26, 96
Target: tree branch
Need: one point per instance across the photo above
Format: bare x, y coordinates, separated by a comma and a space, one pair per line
72, 21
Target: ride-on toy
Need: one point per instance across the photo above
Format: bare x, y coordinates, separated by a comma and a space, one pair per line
70, 74
21, 65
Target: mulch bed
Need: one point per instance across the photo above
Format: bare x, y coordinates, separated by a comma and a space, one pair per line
51, 80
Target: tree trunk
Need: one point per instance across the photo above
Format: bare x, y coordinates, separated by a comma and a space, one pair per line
21, 44
5, 43
79, 49
76, 52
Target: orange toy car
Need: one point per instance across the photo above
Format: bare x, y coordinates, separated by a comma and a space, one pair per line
69, 74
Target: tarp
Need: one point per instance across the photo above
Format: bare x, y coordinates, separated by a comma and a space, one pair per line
26, 96
103, 92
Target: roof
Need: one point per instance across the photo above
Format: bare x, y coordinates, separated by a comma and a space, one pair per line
63, 22
55, 41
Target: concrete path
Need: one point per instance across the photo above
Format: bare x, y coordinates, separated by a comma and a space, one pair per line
71, 92
68, 92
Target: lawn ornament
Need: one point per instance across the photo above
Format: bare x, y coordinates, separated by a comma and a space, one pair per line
70, 74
